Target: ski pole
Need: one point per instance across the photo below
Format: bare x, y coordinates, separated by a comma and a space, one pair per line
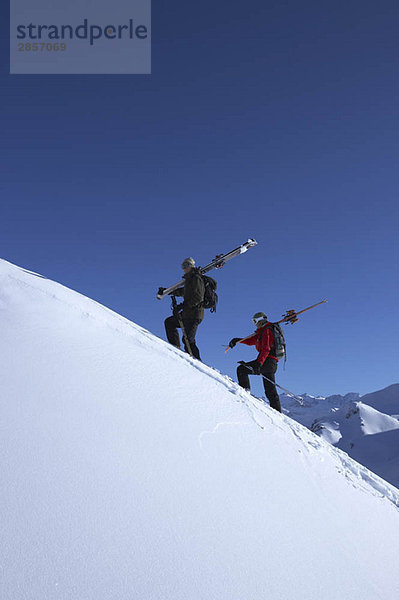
291, 316
297, 398
181, 325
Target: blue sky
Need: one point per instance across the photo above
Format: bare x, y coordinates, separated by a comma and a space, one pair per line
273, 120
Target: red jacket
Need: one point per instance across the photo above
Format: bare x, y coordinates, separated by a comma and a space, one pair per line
263, 339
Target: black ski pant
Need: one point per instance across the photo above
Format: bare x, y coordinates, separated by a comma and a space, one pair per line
190, 327
268, 369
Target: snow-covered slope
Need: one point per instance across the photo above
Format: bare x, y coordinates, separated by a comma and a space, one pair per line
355, 426
369, 436
313, 407
130, 471
356, 420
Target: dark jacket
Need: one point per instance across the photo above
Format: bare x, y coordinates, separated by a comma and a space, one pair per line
193, 294
263, 340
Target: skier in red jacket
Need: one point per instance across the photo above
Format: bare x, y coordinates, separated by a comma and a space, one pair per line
265, 364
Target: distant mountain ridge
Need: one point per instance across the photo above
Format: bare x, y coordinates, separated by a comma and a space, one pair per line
385, 400
366, 427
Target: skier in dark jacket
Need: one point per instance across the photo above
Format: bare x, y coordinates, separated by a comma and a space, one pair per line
265, 363
191, 310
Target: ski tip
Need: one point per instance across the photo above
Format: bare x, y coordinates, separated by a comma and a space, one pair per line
248, 244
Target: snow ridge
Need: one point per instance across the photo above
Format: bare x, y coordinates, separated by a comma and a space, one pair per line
122, 481
258, 410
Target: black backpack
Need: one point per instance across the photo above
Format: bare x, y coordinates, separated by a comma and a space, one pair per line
210, 295
279, 341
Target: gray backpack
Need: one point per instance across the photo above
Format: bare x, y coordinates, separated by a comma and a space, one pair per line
279, 350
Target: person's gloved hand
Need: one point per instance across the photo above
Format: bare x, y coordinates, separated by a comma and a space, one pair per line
161, 291
233, 342
256, 367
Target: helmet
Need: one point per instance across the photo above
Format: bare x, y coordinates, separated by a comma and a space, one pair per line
188, 262
259, 317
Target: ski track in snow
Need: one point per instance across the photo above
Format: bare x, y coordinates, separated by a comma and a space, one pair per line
260, 412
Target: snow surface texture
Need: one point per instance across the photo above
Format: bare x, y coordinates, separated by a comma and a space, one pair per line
131, 471
354, 425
